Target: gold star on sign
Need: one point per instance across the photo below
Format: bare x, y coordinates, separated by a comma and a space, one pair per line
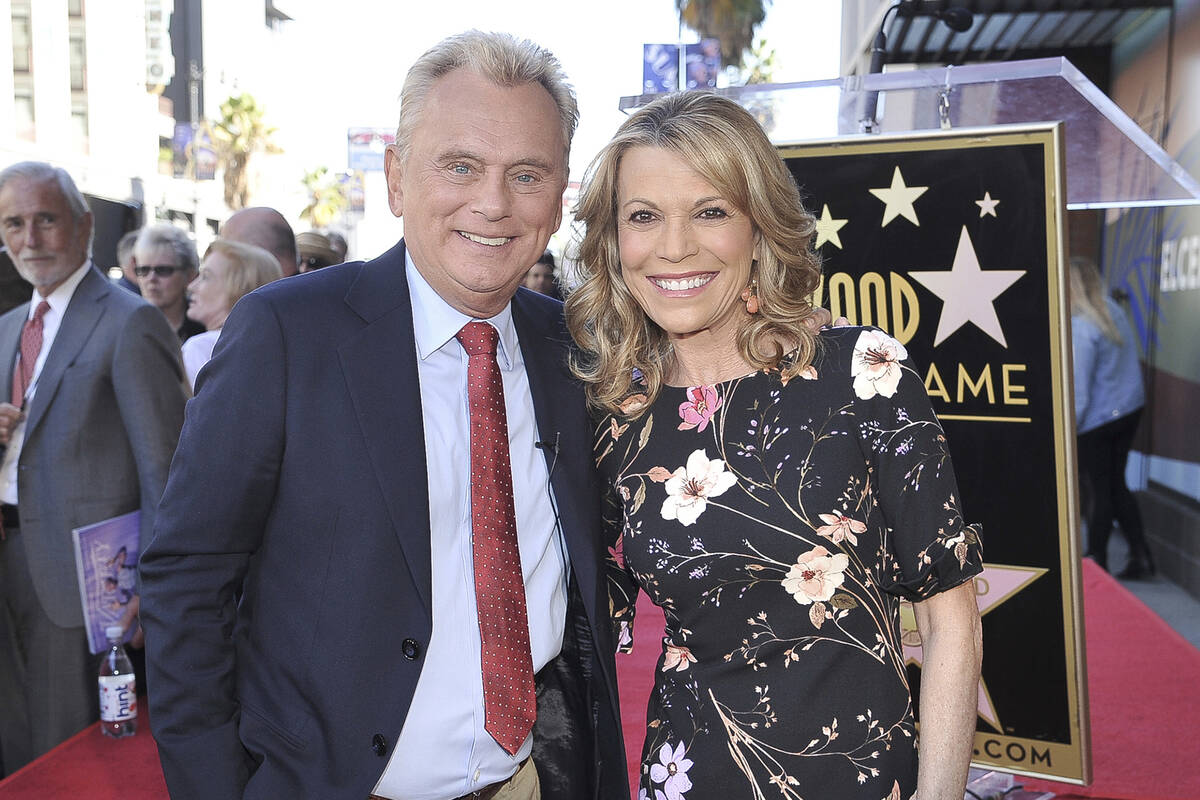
898, 199
827, 229
987, 206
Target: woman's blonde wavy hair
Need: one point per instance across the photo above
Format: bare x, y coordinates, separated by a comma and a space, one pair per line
726, 146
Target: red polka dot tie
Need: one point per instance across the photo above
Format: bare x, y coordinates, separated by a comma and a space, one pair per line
31, 348
509, 698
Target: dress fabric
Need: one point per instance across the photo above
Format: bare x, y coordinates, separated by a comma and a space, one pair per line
779, 524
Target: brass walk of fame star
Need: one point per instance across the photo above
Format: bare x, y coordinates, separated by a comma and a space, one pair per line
827, 229
967, 292
898, 200
996, 584
987, 206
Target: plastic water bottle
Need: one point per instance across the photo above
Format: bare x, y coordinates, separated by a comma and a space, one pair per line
118, 688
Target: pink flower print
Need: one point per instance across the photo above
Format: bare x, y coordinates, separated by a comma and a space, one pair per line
839, 528
677, 658
875, 365
816, 575
703, 402
671, 771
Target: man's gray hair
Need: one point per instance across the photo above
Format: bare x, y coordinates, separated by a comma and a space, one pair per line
166, 235
38, 171
502, 59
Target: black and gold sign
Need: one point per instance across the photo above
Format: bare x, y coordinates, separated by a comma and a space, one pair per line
952, 242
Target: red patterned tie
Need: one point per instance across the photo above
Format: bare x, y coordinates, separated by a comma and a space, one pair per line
31, 347
509, 698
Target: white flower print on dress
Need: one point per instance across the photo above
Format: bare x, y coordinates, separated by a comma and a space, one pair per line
816, 575
875, 364
690, 487
671, 771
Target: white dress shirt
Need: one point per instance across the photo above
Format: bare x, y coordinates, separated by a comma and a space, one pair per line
443, 751
59, 299
196, 351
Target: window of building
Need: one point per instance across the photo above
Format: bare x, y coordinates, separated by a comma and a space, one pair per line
75, 8
22, 36
79, 125
23, 126
78, 60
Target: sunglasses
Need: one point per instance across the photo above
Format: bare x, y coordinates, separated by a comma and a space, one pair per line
162, 270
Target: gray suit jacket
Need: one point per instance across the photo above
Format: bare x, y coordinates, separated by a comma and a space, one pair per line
100, 431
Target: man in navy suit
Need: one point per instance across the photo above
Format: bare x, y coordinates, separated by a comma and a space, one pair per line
308, 598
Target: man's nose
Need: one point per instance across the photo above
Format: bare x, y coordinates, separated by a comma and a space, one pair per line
494, 196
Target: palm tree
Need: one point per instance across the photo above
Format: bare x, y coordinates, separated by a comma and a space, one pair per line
327, 197
731, 21
239, 134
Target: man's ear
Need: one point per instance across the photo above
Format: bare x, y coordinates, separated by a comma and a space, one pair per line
393, 170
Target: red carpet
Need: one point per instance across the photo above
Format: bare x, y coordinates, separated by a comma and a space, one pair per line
1144, 688
91, 765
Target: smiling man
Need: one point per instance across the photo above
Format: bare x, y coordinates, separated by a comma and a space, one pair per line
376, 569
97, 400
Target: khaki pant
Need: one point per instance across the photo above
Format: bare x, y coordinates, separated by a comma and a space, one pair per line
523, 785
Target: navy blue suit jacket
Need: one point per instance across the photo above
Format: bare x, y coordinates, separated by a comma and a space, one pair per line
286, 593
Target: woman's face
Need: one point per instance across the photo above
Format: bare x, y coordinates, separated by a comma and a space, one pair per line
210, 302
685, 249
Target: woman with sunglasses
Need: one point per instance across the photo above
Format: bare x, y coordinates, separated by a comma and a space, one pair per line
165, 263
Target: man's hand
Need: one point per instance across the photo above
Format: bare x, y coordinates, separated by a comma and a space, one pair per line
10, 415
820, 318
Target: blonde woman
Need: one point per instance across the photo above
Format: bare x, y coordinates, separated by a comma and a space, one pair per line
230, 269
1108, 404
776, 491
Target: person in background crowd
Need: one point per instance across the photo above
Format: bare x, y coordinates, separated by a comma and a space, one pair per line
342, 482
166, 263
127, 262
315, 251
541, 278
97, 403
266, 228
777, 491
229, 271
1108, 404
339, 244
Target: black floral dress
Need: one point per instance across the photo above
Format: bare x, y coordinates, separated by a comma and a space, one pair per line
779, 525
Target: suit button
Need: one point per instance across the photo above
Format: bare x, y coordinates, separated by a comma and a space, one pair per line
411, 649
379, 745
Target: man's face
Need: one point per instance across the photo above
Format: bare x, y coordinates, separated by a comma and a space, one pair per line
45, 241
481, 189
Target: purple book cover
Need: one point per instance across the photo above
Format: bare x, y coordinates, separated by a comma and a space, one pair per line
106, 562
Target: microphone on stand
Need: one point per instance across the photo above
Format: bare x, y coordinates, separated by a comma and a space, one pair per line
956, 18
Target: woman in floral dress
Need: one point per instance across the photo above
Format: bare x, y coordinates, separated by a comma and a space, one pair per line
777, 492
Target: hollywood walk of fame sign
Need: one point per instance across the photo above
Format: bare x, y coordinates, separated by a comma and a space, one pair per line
953, 243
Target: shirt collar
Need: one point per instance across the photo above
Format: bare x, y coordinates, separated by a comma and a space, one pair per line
436, 322
60, 298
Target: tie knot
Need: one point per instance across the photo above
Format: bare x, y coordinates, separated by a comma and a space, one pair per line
41, 310
478, 338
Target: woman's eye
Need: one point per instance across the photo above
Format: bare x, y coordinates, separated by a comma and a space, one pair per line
641, 216
713, 213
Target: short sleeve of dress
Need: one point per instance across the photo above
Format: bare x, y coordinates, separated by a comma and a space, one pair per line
928, 548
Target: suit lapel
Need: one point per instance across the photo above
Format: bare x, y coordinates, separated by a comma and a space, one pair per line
562, 419
10, 342
82, 315
380, 367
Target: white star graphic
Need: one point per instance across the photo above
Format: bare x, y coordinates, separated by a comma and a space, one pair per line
898, 199
967, 292
827, 229
987, 206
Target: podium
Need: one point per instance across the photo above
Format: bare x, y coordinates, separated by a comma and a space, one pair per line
969, 274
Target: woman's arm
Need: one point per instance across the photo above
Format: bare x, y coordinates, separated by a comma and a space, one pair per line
952, 643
